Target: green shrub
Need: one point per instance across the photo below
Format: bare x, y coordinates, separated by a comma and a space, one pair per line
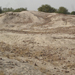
46, 8
73, 13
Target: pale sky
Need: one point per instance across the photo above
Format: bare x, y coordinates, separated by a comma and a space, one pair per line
34, 4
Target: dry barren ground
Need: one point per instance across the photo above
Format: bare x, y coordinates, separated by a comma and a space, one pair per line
37, 43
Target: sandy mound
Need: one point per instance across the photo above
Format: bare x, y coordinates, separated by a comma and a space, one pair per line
22, 17
33, 20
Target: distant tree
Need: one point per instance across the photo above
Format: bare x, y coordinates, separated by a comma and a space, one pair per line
62, 10
73, 13
46, 8
8, 9
20, 9
0, 10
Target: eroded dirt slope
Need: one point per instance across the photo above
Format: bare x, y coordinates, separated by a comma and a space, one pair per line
37, 43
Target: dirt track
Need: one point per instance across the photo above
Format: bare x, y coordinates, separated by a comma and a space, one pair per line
65, 30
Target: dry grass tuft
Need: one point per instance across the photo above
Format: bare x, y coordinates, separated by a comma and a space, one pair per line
2, 73
71, 65
15, 74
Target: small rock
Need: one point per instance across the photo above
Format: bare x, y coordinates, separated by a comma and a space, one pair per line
66, 71
35, 64
0, 58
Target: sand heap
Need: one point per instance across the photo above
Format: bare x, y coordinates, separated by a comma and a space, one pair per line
32, 19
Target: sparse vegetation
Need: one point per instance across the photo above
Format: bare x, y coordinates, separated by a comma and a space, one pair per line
12, 10
20, 9
7, 10
43, 8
